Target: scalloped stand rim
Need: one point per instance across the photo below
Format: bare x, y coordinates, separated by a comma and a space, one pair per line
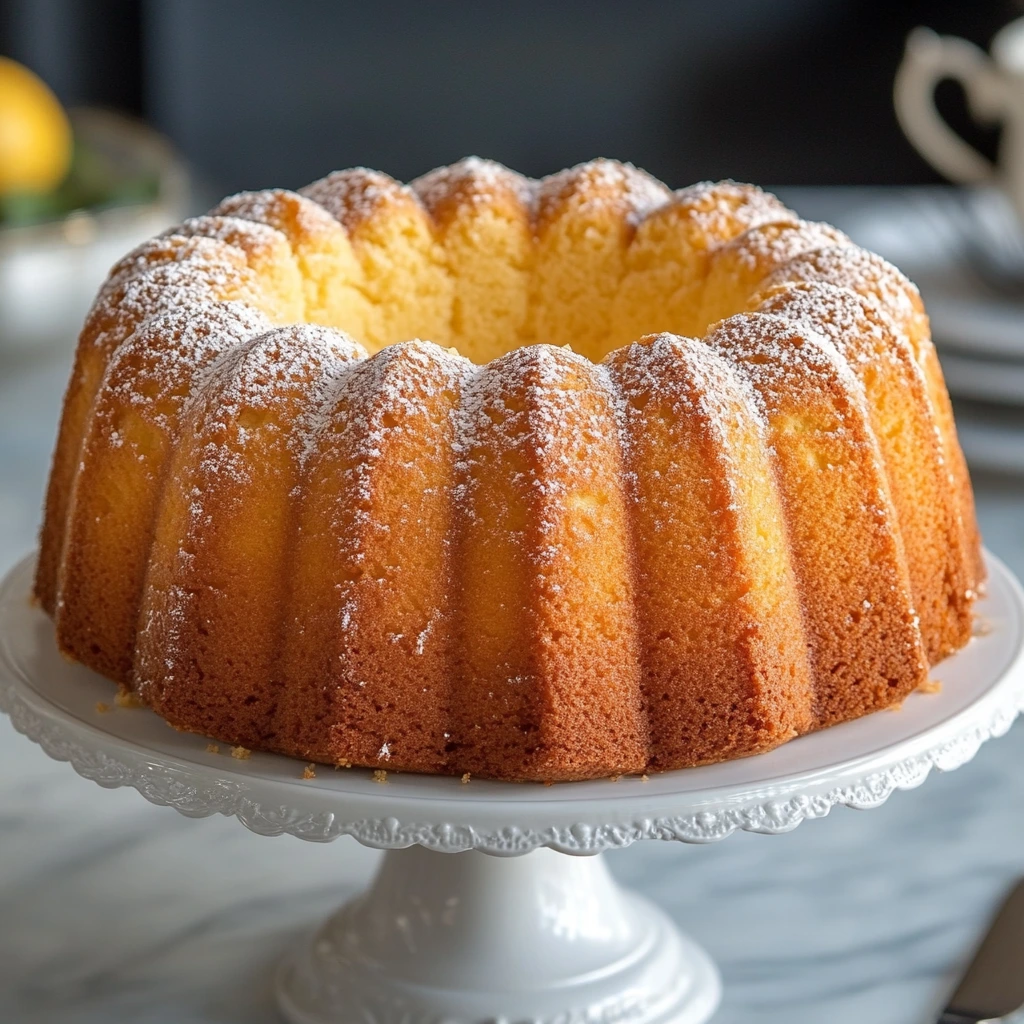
540, 937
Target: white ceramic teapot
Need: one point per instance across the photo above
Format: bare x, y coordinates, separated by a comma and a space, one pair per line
995, 93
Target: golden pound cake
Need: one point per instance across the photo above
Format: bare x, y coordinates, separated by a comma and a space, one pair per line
537, 480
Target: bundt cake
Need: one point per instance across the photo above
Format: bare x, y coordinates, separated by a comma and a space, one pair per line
674, 480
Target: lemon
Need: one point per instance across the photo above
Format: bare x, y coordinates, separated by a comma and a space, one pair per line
35, 136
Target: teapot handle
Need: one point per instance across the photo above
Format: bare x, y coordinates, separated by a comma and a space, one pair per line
928, 60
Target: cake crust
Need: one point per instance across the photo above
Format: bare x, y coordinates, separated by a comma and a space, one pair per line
529, 480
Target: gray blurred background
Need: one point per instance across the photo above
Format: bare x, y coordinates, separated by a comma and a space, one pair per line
258, 93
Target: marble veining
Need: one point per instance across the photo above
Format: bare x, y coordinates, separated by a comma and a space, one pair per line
112, 909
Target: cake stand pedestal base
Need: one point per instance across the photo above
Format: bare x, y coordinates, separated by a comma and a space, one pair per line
470, 937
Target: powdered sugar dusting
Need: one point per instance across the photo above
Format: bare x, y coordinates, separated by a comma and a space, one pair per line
720, 210
205, 273
388, 392
858, 325
793, 367
294, 368
358, 194
260, 400
189, 254
771, 244
160, 289
198, 266
474, 181
599, 183
692, 381
686, 373
257, 236
391, 392
520, 405
276, 406
852, 267
163, 363
287, 211
781, 355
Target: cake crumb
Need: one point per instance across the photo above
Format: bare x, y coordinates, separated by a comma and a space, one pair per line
124, 698
342, 764
241, 753
465, 779
101, 707
380, 775
645, 777
309, 772
213, 748
895, 707
615, 778
930, 686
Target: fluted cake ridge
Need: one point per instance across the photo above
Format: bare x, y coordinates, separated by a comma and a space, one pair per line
674, 479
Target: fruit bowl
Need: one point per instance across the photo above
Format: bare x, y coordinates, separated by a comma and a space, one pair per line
50, 271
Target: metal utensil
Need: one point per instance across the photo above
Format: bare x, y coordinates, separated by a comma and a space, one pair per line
993, 987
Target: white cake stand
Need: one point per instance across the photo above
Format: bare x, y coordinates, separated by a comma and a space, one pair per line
542, 937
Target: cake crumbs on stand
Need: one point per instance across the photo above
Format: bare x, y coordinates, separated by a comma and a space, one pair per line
125, 698
101, 707
309, 772
930, 686
645, 777
241, 753
213, 748
614, 778
380, 775
465, 779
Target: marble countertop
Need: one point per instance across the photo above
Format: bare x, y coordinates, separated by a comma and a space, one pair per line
113, 909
